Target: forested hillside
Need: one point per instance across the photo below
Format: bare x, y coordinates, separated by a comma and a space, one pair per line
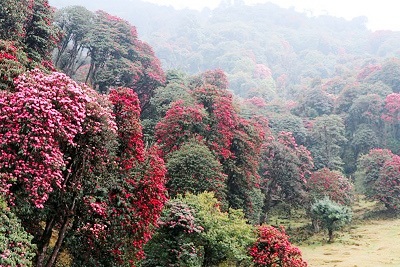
175, 142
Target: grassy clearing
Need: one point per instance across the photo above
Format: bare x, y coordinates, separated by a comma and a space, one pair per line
371, 240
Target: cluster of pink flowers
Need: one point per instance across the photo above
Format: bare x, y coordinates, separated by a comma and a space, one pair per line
39, 120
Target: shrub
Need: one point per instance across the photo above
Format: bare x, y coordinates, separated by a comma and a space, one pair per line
273, 248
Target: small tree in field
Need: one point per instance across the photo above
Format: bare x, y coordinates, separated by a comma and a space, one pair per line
273, 248
332, 215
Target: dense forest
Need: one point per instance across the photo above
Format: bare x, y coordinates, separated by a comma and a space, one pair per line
139, 135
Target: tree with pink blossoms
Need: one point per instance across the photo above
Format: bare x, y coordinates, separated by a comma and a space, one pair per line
76, 161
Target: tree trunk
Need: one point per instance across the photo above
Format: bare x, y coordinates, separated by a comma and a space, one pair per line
266, 208
44, 242
59, 242
330, 233
315, 225
61, 234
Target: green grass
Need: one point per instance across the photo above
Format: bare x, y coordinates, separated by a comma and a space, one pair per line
371, 240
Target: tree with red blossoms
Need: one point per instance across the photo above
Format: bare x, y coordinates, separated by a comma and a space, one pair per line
332, 184
392, 115
122, 219
180, 124
369, 166
285, 168
13, 62
51, 156
64, 163
140, 193
13, 16
388, 184
273, 248
213, 121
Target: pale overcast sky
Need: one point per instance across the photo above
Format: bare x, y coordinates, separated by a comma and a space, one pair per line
382, 14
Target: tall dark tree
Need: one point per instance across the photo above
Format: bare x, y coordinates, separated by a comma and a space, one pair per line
327, 137
41, 34
75, 23
285, 168
119, 58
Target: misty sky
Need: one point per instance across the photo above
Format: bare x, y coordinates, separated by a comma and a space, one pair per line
382, 14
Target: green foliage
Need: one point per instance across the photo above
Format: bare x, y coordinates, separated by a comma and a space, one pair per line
194, 232
314, 103
13, 16
13, 62
75, 23
284, 169
369, 166
226, 234
289, 123
332, 215
327, 138
177, 241
389, 74
194, 168
16, 248
41, 34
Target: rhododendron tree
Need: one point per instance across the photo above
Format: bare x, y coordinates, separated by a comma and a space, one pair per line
176, 242
127, 213
13, 62
13, 16
39, 123
392, 108
41, 34
285, 168
213, 121
222, 117
119, 58
180, 124
388, 184
369, 166
242, 168
273, 248
93, 182
332, 184
29, 23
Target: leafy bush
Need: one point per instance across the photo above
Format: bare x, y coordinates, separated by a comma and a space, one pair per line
194, 232
16, 248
